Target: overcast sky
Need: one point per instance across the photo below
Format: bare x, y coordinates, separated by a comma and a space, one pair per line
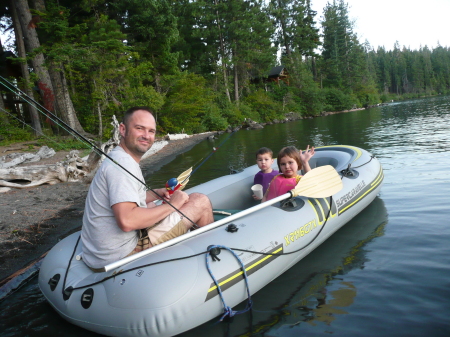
410, 22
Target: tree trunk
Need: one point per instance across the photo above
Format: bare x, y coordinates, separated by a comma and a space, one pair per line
283, 30
222, 52
236, 80
31, 43
64, 105
35, 122
63, 102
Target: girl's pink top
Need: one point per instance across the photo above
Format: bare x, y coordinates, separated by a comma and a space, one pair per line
281, 185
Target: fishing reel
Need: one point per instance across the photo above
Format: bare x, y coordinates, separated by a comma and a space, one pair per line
172, 185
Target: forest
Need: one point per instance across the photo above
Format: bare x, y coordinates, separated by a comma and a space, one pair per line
200, 65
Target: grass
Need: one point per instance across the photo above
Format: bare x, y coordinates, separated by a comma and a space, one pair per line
10, 135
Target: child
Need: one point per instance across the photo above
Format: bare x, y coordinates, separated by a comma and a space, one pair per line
289, 161
264, 177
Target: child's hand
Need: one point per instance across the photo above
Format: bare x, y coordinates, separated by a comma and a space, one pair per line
255, 197
306, 156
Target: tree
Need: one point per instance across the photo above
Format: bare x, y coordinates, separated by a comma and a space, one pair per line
295, 26
55, 101
35, 122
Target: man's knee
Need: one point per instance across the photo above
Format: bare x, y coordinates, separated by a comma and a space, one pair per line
200, 199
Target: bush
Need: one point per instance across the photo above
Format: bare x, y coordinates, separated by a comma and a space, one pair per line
187, 103
213, 119
264, 105
338, 100
13, 133
233, 114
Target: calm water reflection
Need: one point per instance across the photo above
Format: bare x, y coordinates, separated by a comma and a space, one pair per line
385, 273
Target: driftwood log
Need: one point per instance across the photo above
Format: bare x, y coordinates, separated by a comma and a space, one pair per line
72, 169
14, 159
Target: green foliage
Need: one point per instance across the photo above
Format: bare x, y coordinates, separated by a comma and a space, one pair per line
186, 104
12, 132
264, 105
336, 100
213, 119
192, 62
63, 144
234, 114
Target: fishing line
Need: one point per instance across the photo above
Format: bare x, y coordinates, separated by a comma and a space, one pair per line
8, 85
209, 156
76, 134
21, 121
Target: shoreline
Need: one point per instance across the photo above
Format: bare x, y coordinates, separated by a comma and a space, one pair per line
36, 218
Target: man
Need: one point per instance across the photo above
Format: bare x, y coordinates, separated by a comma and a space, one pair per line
119, 209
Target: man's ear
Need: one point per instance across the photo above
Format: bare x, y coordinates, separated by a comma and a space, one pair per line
122, 129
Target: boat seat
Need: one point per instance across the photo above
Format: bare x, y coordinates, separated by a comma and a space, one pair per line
219, 214
313, 163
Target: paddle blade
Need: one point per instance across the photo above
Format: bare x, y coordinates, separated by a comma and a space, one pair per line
183, 178
320, 182
183, 185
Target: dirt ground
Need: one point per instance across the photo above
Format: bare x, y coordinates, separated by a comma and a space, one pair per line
33, 220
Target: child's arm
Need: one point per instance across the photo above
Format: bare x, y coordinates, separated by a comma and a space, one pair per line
305, 157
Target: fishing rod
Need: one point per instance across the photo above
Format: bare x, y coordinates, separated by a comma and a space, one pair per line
8, 85
174, 184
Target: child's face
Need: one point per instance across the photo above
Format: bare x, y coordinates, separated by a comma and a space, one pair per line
264, 162
288, 166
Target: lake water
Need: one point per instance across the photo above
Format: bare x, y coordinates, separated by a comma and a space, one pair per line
386, 273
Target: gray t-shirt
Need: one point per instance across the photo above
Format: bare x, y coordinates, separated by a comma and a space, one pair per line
103, 241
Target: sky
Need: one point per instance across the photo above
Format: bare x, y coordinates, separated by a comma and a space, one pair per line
412, 23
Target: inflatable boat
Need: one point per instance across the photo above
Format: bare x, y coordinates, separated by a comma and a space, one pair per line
182, 283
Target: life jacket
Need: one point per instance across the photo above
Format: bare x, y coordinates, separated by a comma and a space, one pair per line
281, 185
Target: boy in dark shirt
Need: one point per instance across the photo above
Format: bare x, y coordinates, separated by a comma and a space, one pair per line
264, 177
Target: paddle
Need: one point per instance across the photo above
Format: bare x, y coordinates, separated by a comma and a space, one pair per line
320, 182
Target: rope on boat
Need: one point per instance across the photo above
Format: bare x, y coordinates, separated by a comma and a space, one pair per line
348, 172
214, 250
213, 256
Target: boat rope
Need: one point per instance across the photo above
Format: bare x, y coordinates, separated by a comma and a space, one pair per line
67, 291
214, 250
120, 272
348, 172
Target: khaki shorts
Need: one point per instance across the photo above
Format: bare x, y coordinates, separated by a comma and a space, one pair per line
168, 228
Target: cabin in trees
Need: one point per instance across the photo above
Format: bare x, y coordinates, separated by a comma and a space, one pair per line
276, 74
8, 69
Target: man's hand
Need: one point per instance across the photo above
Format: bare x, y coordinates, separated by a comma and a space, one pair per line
151, 196
179, 198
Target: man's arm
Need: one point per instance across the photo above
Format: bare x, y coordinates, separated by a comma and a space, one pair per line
130, 216
152, 196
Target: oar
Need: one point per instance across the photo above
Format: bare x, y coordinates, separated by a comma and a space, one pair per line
320, 182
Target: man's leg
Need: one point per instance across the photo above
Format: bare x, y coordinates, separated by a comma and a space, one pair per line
198, 209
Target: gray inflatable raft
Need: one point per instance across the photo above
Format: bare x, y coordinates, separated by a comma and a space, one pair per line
178, 285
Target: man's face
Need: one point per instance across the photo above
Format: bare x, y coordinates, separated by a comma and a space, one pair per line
139, 133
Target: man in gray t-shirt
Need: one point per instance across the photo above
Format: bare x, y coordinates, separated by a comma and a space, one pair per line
118, 205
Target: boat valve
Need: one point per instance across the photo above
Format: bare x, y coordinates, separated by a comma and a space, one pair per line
232, 228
